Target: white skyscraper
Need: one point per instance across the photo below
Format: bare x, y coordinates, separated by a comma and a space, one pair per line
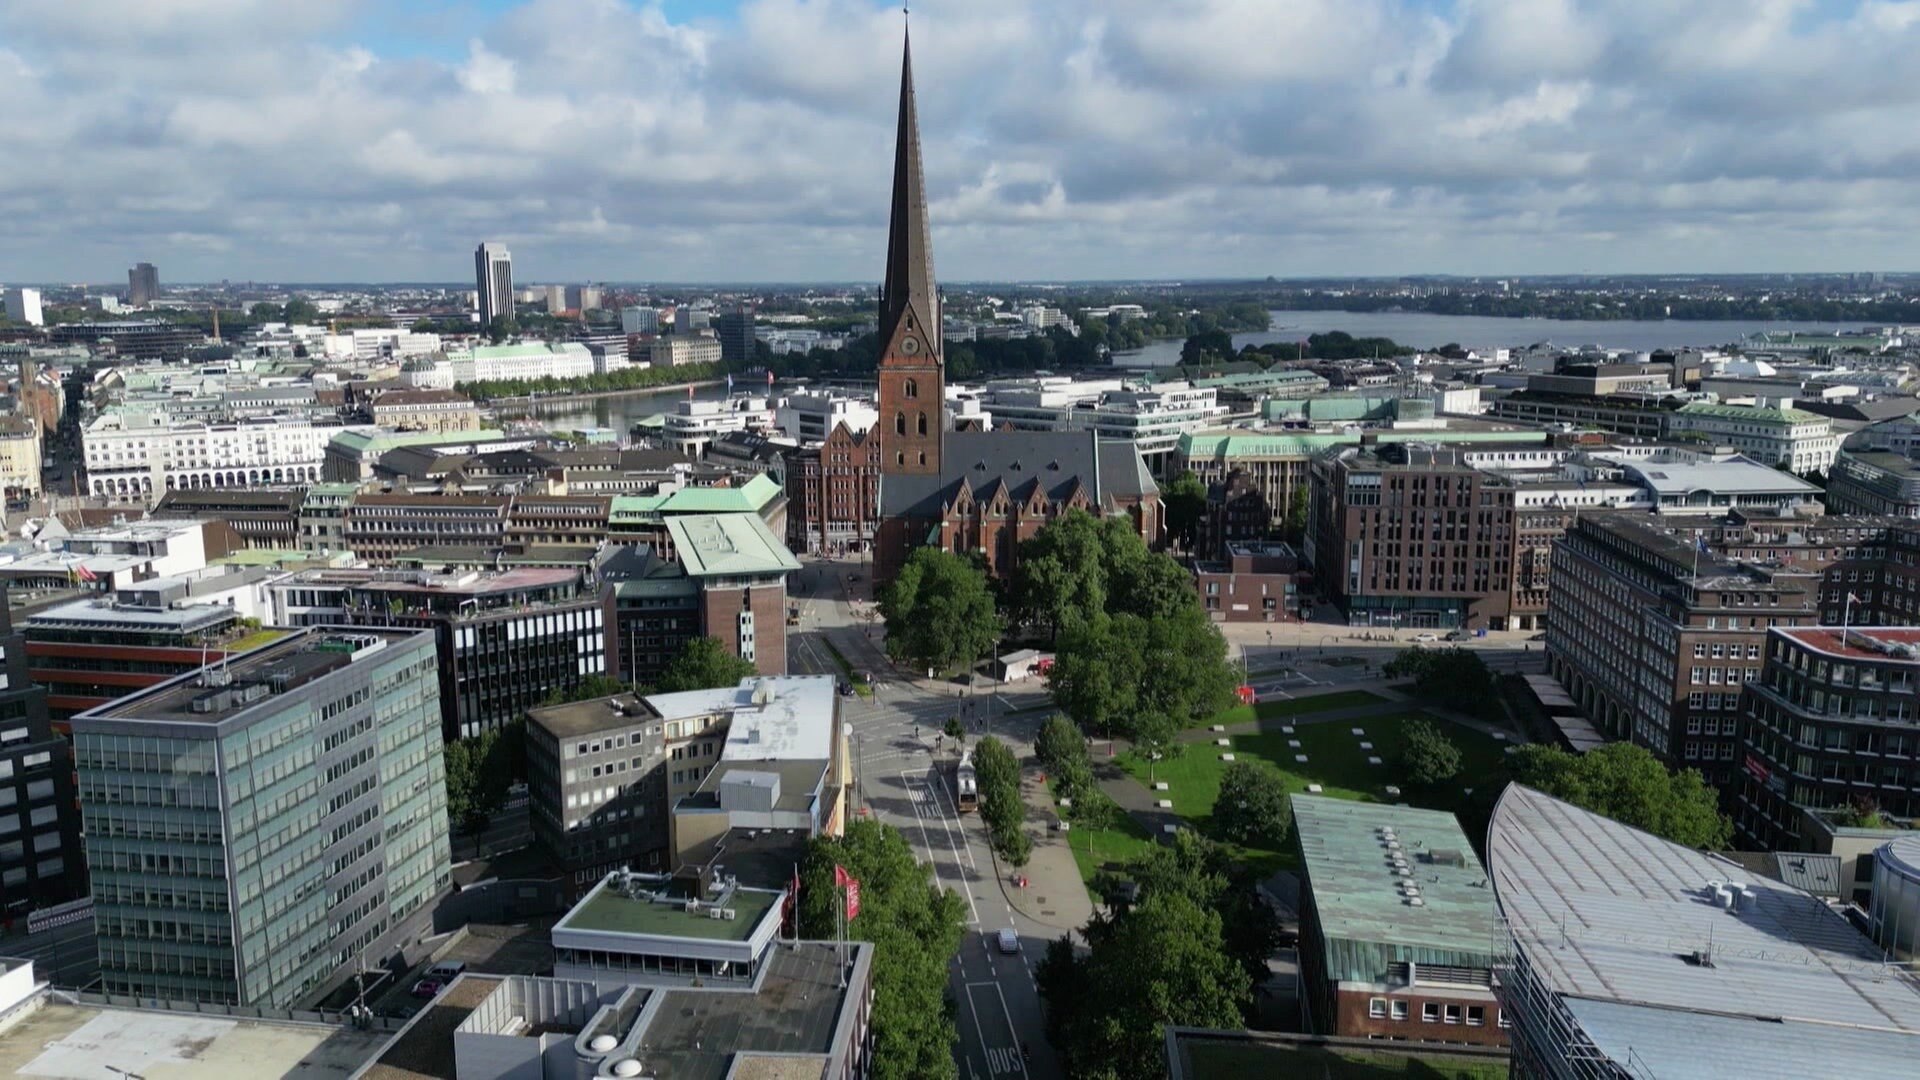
23, 306
493, 278
639, 320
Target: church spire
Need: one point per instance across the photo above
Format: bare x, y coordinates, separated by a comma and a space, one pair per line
907, 287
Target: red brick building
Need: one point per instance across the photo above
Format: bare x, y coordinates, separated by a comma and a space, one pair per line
833, 493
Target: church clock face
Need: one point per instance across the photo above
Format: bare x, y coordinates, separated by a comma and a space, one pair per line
910, 345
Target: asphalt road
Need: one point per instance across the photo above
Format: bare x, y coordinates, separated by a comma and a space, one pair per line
906, 782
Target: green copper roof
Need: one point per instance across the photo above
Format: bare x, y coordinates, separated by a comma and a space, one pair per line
1227, 445
748, 498
1361, 899
1748, 413
711, 545
380, 442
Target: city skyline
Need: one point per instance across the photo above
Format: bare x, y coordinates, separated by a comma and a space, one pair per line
1072, 141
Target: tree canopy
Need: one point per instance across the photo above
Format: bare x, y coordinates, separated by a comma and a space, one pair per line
916, 928
1628, 784
1253, 807
940, 612
703, 664
1079, 566
1427, 756
479, 770
1186, 502
1453, 677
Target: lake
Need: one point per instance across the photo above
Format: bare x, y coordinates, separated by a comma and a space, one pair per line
1486, 332
621, 413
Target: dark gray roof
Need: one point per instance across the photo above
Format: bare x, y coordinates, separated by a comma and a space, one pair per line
1059, 462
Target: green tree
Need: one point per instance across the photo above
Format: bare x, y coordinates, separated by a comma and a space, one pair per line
1253, 808
1452, 677
1185, 500
1060, 580
501, 328
300, 310
704, 664
1059, 743
587, 689
956, 731
915, 927
267, 312
1628, 784
479, 770
1294, 524
1427, 756
1207, 345
940, 612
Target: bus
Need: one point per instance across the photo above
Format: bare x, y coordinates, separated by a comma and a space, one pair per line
966, 791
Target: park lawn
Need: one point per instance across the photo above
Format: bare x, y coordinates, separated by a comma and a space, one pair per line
1334, 760
1299, 706
1120, 844
1229, 1059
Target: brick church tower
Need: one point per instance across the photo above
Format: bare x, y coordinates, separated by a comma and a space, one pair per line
912, 372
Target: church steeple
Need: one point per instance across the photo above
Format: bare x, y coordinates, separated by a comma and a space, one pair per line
911, 375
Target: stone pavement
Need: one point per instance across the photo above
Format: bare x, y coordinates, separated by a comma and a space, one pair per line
1055, 896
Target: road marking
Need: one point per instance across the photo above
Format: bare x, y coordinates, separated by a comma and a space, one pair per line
927, 838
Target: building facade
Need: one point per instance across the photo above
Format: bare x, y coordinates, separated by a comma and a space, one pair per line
144, 456
42, 863
597, 786
493, 282
256, 829
728, 582
1801, 441
425, 410
380, 527
1256, 581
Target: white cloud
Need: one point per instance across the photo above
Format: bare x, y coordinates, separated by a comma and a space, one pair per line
603, 139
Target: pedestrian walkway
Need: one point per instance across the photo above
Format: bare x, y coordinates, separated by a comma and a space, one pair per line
1054, 895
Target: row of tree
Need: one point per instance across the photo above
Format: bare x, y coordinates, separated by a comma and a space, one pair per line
1188, 950
1062, 751
632, 378
997, 771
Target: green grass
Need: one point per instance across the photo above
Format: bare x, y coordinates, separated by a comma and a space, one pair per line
860, 686
1120, 844
1298, 706
1334, 760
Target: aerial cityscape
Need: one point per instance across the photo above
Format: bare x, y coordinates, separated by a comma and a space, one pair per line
944, 554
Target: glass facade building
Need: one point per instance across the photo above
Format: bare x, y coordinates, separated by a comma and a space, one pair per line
256, 827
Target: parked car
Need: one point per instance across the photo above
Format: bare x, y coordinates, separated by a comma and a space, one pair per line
1458, 635
427, 988
446, 970
846, 688
1009, 941
1541, 636
1426, 637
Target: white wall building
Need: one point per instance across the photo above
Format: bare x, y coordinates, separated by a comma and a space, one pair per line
142, 456
810, 418
23, 306
379, 344
639, 320
534, 360
1800, 440
694, 424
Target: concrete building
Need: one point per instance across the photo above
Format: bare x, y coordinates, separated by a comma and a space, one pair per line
258, 829
132, 340
504, 639
23, 306
120, 556
639, 320
583, 298
677, 349
425, 410
810, 418
693, 424
1633, 956
655, 977
734, 329
536, 360
353, 455
597, 786
493, 282
42, 864
1397, 925
642, 518
380, 527
261, 518
21, 470
728, 581
322, 518
1653, 634
1801, 441
91, 652
143, 285
1877, 470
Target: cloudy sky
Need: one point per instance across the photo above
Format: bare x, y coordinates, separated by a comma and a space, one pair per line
694, 140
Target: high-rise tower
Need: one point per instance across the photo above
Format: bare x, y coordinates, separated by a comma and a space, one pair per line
912, 374
493, 279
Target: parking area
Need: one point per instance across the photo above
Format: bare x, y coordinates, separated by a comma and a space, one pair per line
494, 950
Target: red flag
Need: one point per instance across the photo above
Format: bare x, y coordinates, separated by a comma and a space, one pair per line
851, 884
769, 376
85, 574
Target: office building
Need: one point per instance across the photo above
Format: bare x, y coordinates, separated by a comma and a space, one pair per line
735, 331
147, 340
1877, 470
809, 418
41, 860
662, 977
1832, 726
1653, 633
597, 786
554, 298
23, 306
1799, 441
493, 281
676, 349
531, 360
1397, 925
639, 320
1634, 956
21, 469
351, 456
437, 411
93, 650
266, 519
583, 298
258, 829
120, 556
1254, 581
143, 285
1412, 535
381, 527
727, 580
505, 639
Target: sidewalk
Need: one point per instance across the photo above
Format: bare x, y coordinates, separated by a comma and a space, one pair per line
1055, 896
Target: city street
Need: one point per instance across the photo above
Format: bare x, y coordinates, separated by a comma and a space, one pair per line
905, 781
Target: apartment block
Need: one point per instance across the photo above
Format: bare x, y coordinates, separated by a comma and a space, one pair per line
258, 828
41, 861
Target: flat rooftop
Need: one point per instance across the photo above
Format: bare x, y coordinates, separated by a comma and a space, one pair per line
1613, 920
1885, 644
1387, 879
606, 910
773, 717
77, 1042
253, 678
424, 1049
696, 1034
594, 716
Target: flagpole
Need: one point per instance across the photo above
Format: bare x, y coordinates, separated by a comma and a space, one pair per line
841, 908
1846, 618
